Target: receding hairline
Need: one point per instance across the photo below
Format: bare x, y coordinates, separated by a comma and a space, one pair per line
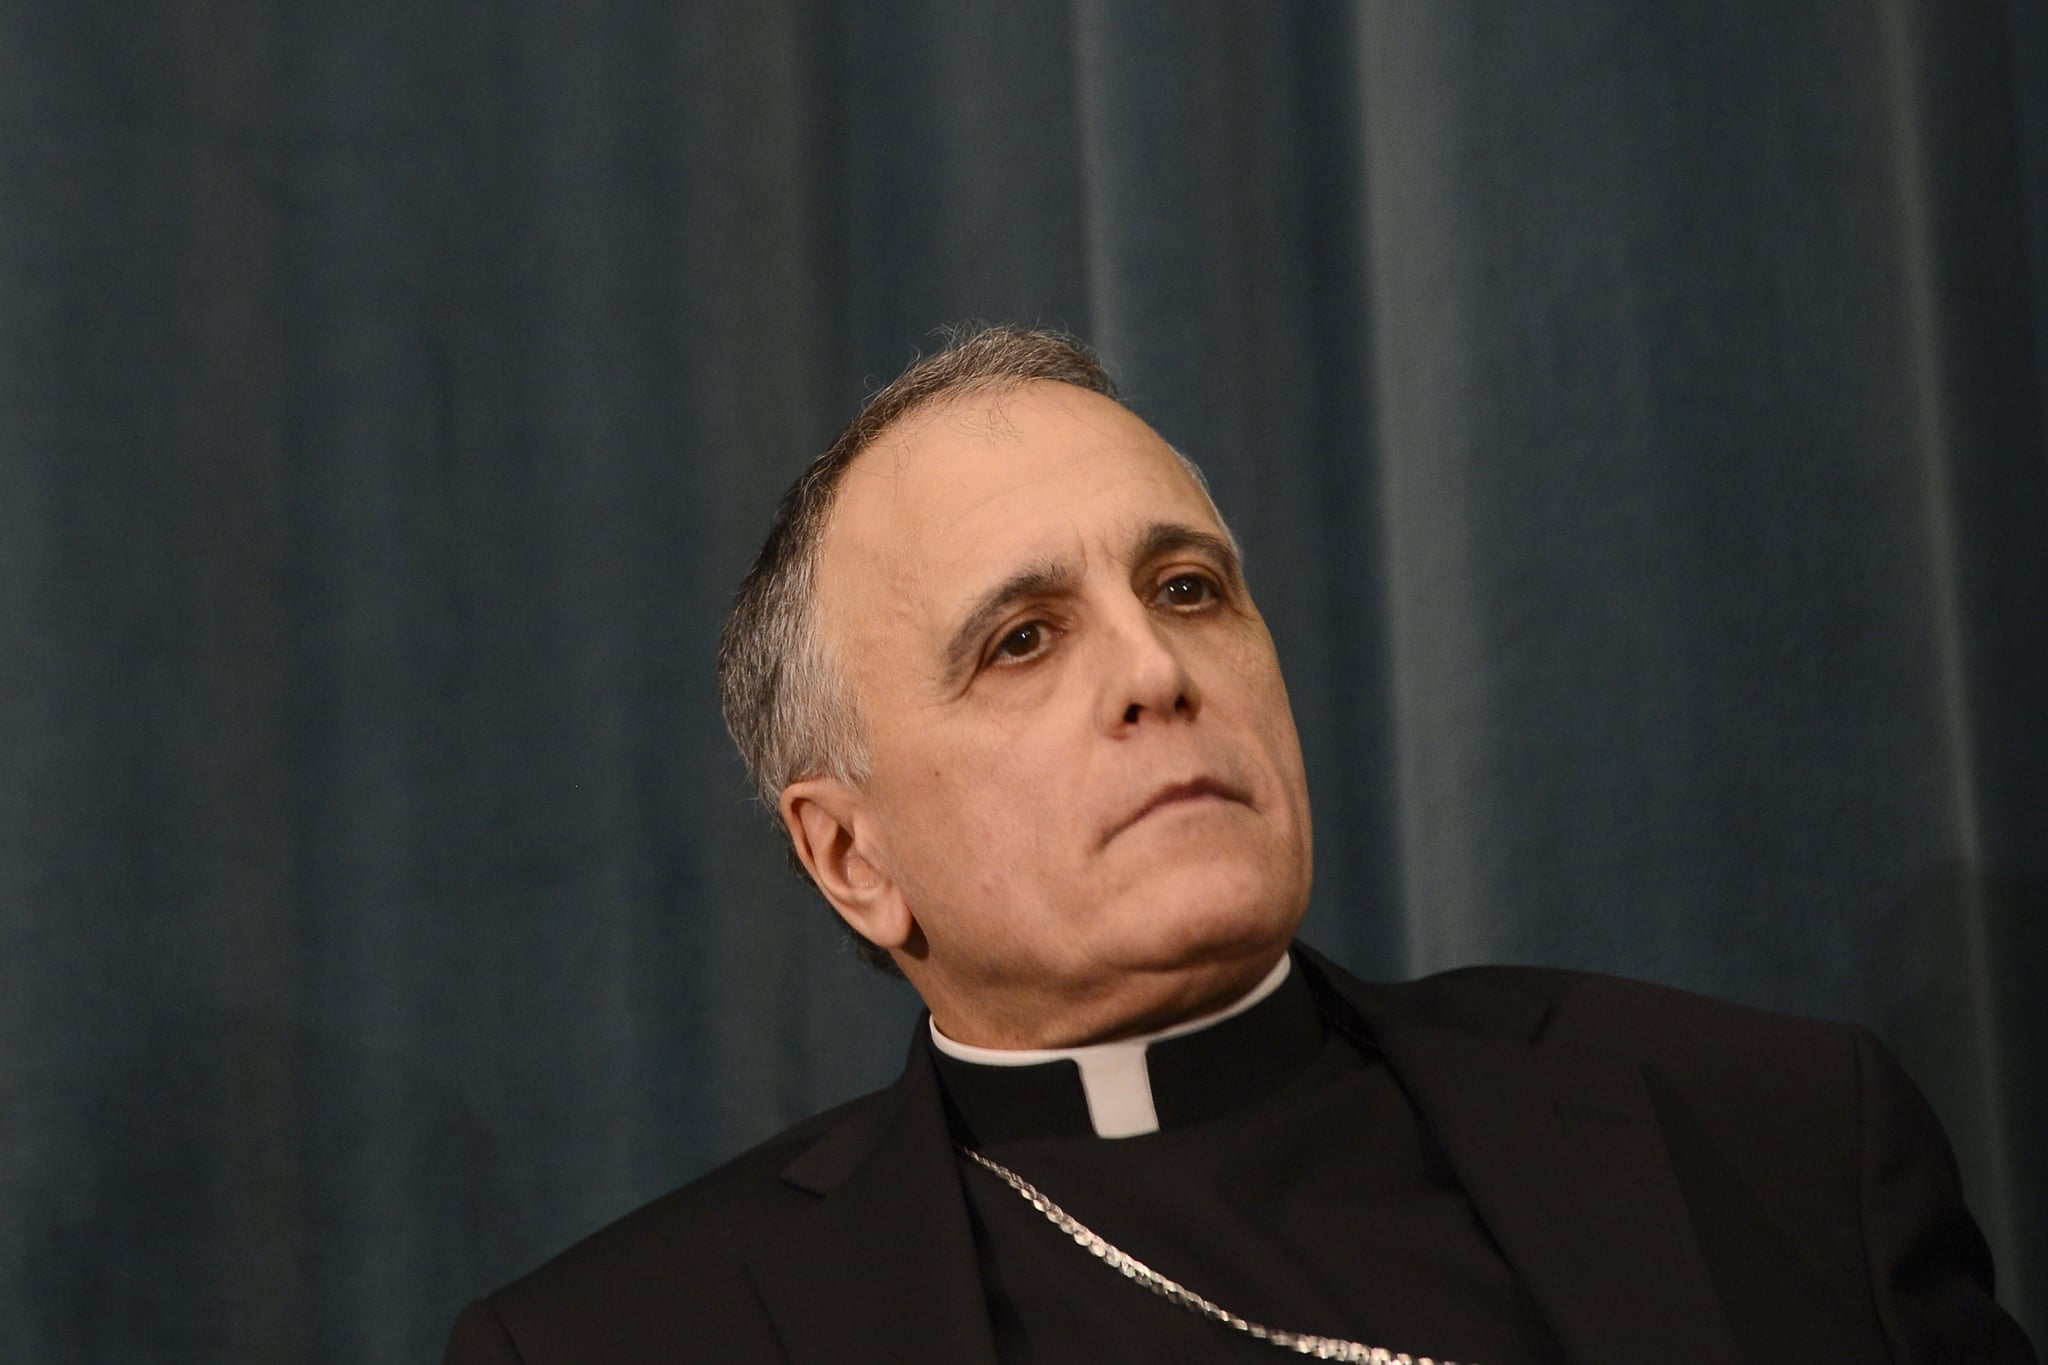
987, 395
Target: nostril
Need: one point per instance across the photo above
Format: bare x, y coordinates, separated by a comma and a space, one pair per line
1131, 713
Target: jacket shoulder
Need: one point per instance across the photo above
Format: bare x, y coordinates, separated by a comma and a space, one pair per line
1731, 1064
1641, 1018
1815, 1122
670, 1271
1778, 1096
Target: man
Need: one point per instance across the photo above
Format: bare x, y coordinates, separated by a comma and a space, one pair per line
999, 673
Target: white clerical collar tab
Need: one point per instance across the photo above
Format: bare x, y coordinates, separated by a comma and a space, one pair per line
1113, 1075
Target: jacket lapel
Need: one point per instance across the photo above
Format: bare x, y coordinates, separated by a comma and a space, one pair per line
882, 1268
1562, 1157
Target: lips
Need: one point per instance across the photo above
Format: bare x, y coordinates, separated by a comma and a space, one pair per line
1177, 793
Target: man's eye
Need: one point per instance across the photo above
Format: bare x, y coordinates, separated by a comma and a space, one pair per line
1187, 590
1022, 642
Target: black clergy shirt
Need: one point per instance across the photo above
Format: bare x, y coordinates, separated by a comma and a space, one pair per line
1289, 1181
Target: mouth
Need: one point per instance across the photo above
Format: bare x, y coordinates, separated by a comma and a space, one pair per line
1178, 794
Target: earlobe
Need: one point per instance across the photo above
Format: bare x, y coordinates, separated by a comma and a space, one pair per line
826, 820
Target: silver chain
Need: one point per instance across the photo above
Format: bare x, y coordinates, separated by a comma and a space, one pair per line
1102, 1249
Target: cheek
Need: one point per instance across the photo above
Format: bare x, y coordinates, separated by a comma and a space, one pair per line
976, 824
1265, 701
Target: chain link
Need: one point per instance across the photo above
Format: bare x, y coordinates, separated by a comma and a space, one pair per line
1113, 1256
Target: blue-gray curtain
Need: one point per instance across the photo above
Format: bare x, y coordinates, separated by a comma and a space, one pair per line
1633, 413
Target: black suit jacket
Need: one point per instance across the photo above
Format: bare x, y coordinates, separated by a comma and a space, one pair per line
1674, 1179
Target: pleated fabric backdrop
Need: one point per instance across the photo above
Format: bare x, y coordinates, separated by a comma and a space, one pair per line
1634, 415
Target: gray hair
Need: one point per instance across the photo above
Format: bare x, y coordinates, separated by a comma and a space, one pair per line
785, 698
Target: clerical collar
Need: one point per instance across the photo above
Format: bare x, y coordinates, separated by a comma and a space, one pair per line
1191, 1071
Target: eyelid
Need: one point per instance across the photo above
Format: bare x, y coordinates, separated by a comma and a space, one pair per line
1215, 577
1218, 582
992, 655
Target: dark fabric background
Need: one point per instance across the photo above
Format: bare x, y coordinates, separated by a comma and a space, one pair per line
1633, 413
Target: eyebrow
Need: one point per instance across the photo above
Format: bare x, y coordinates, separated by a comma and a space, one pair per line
1163, 538
1047, 578
1042, 579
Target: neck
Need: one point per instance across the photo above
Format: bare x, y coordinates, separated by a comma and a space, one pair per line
1133, 1044
1135, 1007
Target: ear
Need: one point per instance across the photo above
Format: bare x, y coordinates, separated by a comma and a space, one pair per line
827, 822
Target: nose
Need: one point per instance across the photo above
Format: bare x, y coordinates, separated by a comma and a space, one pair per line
1146, 675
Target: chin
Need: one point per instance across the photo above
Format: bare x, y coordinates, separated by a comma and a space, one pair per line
1221, 916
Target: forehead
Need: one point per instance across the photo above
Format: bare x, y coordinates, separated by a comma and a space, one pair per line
978, 485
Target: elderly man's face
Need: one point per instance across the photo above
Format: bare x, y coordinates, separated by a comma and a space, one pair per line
1086, 813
